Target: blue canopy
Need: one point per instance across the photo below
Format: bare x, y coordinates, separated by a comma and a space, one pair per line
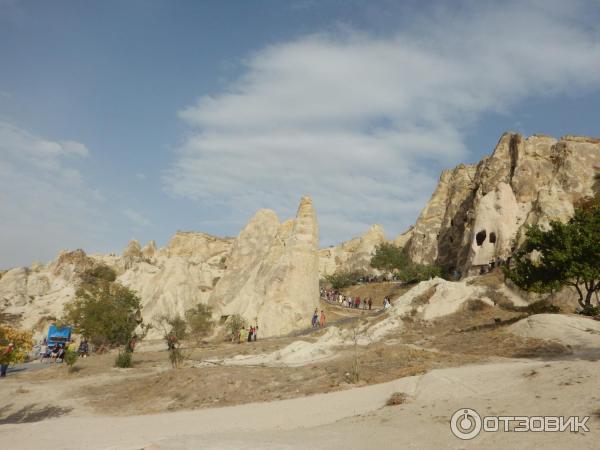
58, 335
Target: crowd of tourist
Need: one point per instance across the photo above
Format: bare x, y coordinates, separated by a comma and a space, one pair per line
347, 301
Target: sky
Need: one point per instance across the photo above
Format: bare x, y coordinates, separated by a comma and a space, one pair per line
136, 119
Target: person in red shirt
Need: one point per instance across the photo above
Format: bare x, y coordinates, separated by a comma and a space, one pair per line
5, 359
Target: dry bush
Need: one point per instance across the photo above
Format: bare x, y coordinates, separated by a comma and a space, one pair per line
397, 398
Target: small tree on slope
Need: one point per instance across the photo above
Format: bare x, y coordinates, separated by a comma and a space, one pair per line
568, 254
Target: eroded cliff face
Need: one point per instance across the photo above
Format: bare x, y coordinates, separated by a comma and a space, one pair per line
352, 255
269, 274
273, 275
478, 212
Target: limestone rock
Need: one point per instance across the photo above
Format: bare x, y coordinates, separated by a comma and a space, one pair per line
477, 213
272, 275
353, 255
149, 250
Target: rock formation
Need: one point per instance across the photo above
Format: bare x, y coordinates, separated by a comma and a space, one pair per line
269, 272
478, 212
272, 276
352, 255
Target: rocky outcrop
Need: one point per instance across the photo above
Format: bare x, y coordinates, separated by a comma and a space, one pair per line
478, 212
268, 274
352, 255
272, 275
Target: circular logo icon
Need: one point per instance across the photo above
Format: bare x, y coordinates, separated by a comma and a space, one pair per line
465, 424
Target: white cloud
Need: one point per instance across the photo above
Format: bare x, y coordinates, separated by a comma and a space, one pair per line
137, 218
363, 123
45, 204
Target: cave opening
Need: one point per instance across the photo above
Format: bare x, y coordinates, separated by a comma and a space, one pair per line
493, 237
480, 237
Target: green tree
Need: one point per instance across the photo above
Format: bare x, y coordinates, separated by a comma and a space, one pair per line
567, 254
393, 259
199, 321
389, 258
104, 312
340, 280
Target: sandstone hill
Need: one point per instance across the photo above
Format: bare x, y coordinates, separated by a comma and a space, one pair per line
268, 274
478, 212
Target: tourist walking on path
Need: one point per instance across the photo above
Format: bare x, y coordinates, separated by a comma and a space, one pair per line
315, 318
322, 319
370, 303
5, 359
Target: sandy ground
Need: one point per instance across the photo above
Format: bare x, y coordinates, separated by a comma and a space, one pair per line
354, 419
295, 392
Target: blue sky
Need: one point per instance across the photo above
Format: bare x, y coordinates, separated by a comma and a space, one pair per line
135, 119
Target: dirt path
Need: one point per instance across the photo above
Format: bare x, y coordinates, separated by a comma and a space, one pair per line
354, 419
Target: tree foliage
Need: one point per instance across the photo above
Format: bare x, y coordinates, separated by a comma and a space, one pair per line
22, 340
98, 273
389, 258
393, 259
104, 312
340, 280
234, 324
567, 254
199, 321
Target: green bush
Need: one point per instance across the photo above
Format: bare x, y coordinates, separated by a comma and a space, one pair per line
124, 359
340, 280
234, 324
199, 321
70, 358
99, 272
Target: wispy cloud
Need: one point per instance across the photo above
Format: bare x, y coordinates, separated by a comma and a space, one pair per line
137, 218
363, 123
45, 201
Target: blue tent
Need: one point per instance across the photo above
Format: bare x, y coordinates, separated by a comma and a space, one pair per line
58, 335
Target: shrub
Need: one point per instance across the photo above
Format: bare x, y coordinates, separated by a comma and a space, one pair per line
124, 359
397, 398
99, 272
199, 321
234, 324
176, 357
70, 358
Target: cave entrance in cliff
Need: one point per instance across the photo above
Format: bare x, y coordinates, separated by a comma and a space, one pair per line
493, 237
480, 237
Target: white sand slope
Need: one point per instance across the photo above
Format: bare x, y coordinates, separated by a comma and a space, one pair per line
576, 331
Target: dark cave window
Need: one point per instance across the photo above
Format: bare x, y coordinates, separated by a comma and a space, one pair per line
493, 238
480, 237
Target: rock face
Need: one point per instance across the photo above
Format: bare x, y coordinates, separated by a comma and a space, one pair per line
353, 255
272, 277
478, 212
269, 272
